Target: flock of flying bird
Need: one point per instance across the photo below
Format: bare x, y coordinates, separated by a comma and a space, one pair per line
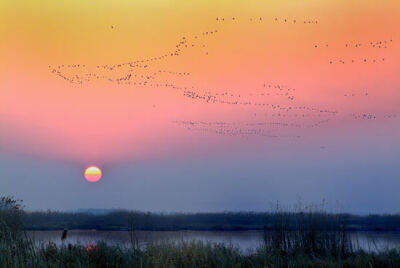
372, 44
381, 44
273, 105
261, 19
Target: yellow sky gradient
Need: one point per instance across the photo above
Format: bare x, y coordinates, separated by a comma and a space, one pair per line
98, 120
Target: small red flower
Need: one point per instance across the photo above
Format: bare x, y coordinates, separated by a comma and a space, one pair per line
91, 247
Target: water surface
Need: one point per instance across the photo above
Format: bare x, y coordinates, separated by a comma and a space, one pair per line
246, 241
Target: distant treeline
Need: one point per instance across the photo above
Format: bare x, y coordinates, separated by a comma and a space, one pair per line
128, 220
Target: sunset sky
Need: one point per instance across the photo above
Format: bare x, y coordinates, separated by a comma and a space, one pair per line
200, 105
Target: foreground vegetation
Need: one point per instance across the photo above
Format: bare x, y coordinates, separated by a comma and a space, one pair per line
302, 239
195, 254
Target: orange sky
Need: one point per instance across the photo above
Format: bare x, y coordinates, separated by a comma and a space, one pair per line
337, 56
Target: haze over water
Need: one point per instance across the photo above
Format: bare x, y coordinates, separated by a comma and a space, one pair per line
246, 241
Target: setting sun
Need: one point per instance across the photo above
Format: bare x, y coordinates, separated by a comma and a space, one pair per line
204, 117
93, 174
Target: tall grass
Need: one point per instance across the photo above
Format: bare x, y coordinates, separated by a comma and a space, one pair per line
182, 254
293, 240
10, 218
307, 230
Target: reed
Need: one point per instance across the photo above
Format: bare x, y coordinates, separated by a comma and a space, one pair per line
294, 240
308, 230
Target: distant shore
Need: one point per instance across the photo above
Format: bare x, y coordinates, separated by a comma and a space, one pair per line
121, 220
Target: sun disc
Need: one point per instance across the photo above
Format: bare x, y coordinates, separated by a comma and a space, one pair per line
93, 174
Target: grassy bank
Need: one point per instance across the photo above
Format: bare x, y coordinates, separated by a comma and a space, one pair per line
310, 238
195, 254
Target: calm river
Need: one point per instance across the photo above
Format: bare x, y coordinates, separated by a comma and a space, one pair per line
246, 241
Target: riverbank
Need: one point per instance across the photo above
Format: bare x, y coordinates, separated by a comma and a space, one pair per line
122, 220
183, 254
289, 239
